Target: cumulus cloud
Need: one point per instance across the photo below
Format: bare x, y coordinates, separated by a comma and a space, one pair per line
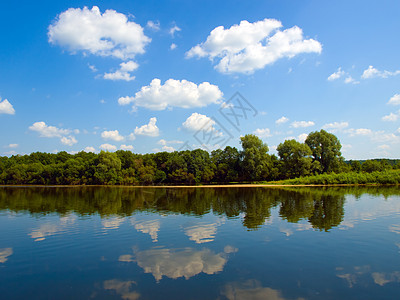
126, 147
359, 131
281, 120
201, 232
112, 135
335, 126
375, 136
47, 131
165, 142
302, 124
197, 122
395, 100
150, 129
262, 132
69, 141
124, 72
174, 93
173, 46
174, 29
247, 47
89, 149
153, 25
13, 146
392, 117
336, 75
6, 107
302, 137
350, 79
372, 72
108, 147
104, 34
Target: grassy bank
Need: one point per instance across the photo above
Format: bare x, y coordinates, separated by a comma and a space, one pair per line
384, 177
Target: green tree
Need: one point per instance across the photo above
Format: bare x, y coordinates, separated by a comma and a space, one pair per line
325, 149
295, 158
256, 163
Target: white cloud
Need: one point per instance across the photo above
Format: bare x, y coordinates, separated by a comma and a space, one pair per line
126, 147
174, 93
112, 135
281, 120
247, 47
173, 46
197, 122
48, 131
335, 126
112, 222
302, 124
164, 142
13, 146
372, 72
395, 100
153, 25
150, 129
107, 34
174, 29
108, 147
89, 149
350, 79
392, 117
69, 141
151, 227
384, 147
302, 137
168, 148
339, 73
92, 67
359, 131
375, 136
262, 132
124, 72
6, 107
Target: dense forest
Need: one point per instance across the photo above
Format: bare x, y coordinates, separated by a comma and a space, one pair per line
319, 156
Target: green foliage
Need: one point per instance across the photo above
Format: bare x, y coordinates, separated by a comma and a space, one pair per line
295, 158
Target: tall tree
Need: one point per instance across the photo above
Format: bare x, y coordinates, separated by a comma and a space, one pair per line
325, 149
295, 158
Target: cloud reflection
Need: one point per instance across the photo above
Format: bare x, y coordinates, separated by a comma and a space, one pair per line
250, 290
122, 288
4, 254
112, 222
48, 229
176, 263
151, 227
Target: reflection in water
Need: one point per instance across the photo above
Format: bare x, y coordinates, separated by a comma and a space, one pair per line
4, 254
323, 208
384, 278
395, 228
175, 263
250, 290
112, 222
201, 232
151, 227
122, 288
45, 230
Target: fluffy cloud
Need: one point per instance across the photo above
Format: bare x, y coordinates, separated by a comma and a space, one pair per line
112, 135
124, 72
153, 25
302, 124
150, 129
395, 100
197, 122
262, 132
89, 149
392, 117
335, 126
174, 93
281, 120
51, 131
371, 72
247, 47
336, 75
359, 131
69, 141
48, 131
164, 142
126, 147
174, 29
173, 46
108, 147
302, 137
350, 79
13, 146
6, 107
107, 34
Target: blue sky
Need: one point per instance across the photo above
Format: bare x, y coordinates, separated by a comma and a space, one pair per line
153, 76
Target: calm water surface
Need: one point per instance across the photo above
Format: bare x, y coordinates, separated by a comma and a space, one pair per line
188, 243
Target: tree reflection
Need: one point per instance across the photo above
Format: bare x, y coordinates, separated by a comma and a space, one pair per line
322, 207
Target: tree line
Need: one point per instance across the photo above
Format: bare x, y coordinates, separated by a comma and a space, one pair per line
319, 154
